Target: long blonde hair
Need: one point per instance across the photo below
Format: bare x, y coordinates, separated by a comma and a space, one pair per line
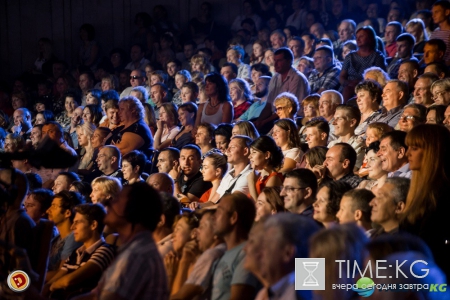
88, 130
428, 182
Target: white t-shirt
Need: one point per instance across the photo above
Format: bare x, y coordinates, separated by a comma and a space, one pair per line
240, 180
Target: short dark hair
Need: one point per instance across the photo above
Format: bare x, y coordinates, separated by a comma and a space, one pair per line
192, 86
34, 181
351, 111
44, 197
347, 152
407, 37
396, 139
195, 148
286, 52
139, 209
174, 153
93, 212
171, 209
320, 123
263, 68
440, 67
360, 201
68, 202
162, 85
305, 178
245, 209
327, 49
233, 67
71, 176
190, 107
336, 190
224, 129
176, 61
135, 158
440, 44
374, 88
110, 95
397, 26
442, 3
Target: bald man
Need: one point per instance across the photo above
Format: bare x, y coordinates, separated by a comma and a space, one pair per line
161, 182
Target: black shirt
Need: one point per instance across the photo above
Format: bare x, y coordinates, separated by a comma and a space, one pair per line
195, 186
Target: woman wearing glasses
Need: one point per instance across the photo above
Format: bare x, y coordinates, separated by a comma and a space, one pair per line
441, 91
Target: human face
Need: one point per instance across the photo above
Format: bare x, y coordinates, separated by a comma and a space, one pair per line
345, 32
51, 132
187, 95
346, 213
136, 54
269, 58
365, 102
235, 152
115, 214
308, 42
280, 136
235, 131
154, 79
362, 38
431, 54
179, 81
76, 116
185, 117
136, 78
87, 116
255, 76
163, 116
383, 205
326, 106
314, 138
333, 162
441, 96
374, 165
422, 92
320, 206
390, 159
371, 136
56, 213
228, 73
128, 171
189, 162
61, 86
345, 51
205, 232
261, 87
96, 139
18, 117
172, 69
82, 230
253, 249
258, 159
61, 184
70, 104
447, 118
40, 107
83, 139
232, 57
106, 85
210, 173
35, 136
210, 88
235, 92
40, 119
84, 82
310, 111
415, 157
97, 194
277, 41
33, 208
91, 99
281, 64
439, 14
293, 194
164, 165
408, 119
222, 224
403, 49
390, 34
296, 48
202, 137
283, 110
406, 74
104, 162
391, 97
263, 207
415, 31
113, 116
258, 50
157, 95
321, 61
222, 143
343, 125
431, 117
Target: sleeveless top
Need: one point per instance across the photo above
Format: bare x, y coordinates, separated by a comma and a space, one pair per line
262, 181
139, 128
212, 119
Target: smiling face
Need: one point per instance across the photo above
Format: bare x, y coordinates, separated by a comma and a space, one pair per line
408, 119
263, 207
235, 92
280, 136
343, 125
87, 116
70, 104
320, 206
391, 160
346, 213
222, 143
374, 165
35, 136
258, 159
185, 117
383, 205
365, 102
422, 92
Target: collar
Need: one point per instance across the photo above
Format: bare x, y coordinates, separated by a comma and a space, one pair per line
280, 287
330, 68
143, 235
91, 249
245, 169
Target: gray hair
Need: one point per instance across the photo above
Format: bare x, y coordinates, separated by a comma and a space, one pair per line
336, 97
143, 91
185, 74
401, 188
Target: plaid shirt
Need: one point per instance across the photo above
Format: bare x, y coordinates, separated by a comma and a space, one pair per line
328, 81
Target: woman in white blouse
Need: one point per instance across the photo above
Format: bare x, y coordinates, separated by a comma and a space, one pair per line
285, 134
167, 126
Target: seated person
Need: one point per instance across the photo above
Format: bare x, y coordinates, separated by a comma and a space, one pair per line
82, 270
354, 208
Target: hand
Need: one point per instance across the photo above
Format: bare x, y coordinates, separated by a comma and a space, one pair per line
194, 205
171, 263
16, 128
159, 125
183, 198
252, 177
320, 171
190, 251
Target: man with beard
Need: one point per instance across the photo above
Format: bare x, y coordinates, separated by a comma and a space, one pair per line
257, 108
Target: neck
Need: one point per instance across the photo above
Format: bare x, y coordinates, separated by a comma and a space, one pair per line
444, 25
365, 50
284, 74
64, 228
94, 238
400, 164
329, 118
328, 224
365, 225
188, 177
278, 273
160, 233
342, 175
127, 123
127, 232
381, 180
235, 238
134, 179
239, 167
238, 102
301, 208
205, 148
346, 138
390, 225
109, 170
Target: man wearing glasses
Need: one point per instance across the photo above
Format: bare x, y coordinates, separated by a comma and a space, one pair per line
327, 73
137, 78
299, 192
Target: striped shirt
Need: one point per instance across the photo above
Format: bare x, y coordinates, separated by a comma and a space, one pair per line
445, 36
99, 253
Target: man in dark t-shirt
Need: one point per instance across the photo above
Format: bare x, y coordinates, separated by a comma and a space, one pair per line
189, 185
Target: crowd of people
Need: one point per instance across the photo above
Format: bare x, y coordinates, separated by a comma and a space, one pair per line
320, 130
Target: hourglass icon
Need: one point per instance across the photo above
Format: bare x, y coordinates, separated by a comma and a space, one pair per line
310, 267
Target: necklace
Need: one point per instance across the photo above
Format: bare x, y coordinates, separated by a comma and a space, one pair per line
213, 106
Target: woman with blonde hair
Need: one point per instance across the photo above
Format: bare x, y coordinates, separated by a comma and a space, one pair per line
84, 134
286, 105
441, 91
104, 188
285, 134
376, 74
245, 128
167, 125
427, 206
416, 27
241, 96
345, 242
199, 63
109, 82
